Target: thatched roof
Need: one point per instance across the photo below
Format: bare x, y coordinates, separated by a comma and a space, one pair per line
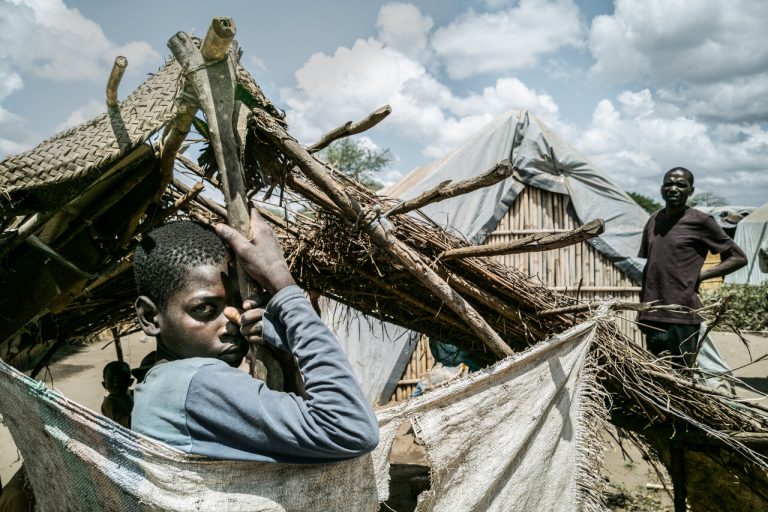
74, 206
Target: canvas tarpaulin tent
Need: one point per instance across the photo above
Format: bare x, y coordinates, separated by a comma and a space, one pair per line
751, 234
519, 435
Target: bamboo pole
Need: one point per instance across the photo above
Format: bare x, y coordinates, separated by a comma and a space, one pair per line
115, 76
532, 243
350, 128
446, 189
396, 249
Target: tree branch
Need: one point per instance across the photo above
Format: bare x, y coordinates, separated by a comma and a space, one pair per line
533, 243
500, 172
350, 128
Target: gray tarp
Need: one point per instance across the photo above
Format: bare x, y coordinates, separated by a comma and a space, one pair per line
751, 234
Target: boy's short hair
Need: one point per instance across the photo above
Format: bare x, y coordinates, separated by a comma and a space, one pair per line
117, 369
164, 255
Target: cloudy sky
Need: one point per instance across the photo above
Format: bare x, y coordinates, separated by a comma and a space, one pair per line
638, 86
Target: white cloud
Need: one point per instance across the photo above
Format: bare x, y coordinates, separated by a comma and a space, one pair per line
510, 39
47, 39
404, 28
674, 40
15, 136
636, 144
82, 114
353, 82
708, 60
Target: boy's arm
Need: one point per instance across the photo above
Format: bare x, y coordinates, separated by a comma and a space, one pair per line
230, 415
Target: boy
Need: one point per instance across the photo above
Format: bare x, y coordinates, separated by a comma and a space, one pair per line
118, 404
195, 398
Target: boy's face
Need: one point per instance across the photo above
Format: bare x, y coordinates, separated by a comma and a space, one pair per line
117, 383
193, 324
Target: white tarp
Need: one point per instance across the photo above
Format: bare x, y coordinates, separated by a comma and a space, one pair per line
751, 234
519, 435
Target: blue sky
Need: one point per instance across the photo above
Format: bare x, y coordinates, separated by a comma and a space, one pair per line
638, 87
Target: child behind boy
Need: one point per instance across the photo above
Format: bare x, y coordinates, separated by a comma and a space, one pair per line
195, 398
119, 403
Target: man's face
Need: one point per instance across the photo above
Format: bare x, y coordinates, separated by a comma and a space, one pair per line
676, 189
193, 324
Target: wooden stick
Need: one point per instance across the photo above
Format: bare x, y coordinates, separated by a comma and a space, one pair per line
38, 244
211, 205
115, 76
192, 166
446, 189
532, 243
628, 306
350, 128
396, 249
220, 34
187, 196
118, 346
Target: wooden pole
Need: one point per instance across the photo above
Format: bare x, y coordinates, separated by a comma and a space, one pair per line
213, 82
532, 243
499, 172
118, 346
115, 76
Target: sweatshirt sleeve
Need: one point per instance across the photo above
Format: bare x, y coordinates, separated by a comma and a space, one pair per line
233, 416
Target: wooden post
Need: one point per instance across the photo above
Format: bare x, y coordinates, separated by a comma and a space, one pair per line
213, 82
115, 76
118, 346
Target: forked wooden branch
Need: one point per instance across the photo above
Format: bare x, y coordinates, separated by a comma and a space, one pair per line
350, 128
213, 82
446, 189
532, 243
211, 205
396, 249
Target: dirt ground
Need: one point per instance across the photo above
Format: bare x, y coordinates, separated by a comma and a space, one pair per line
633, 485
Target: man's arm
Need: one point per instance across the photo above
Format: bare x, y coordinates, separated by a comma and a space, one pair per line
731, 260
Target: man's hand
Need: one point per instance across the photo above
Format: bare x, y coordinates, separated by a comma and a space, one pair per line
261, 256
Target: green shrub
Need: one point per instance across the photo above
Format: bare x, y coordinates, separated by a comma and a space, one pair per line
747, 309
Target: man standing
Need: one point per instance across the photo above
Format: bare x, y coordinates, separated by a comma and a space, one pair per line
676, 240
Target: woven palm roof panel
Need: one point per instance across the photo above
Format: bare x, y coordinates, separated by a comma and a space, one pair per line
47, 175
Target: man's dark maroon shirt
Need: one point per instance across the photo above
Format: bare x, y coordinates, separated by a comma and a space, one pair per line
676, 248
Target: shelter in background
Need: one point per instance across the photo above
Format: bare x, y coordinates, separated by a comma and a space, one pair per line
751, 234
555, 189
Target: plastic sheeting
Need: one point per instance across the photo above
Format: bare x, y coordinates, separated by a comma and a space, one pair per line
751, 234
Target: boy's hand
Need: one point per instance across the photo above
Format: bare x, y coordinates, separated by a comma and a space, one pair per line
261, 256
248, 321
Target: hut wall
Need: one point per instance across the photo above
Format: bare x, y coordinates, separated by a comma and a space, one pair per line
715, 282
578, 270
575, 270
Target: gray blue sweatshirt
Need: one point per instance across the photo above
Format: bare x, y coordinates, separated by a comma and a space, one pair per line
206, 407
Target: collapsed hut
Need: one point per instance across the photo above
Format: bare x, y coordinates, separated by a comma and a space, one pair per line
73, 208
